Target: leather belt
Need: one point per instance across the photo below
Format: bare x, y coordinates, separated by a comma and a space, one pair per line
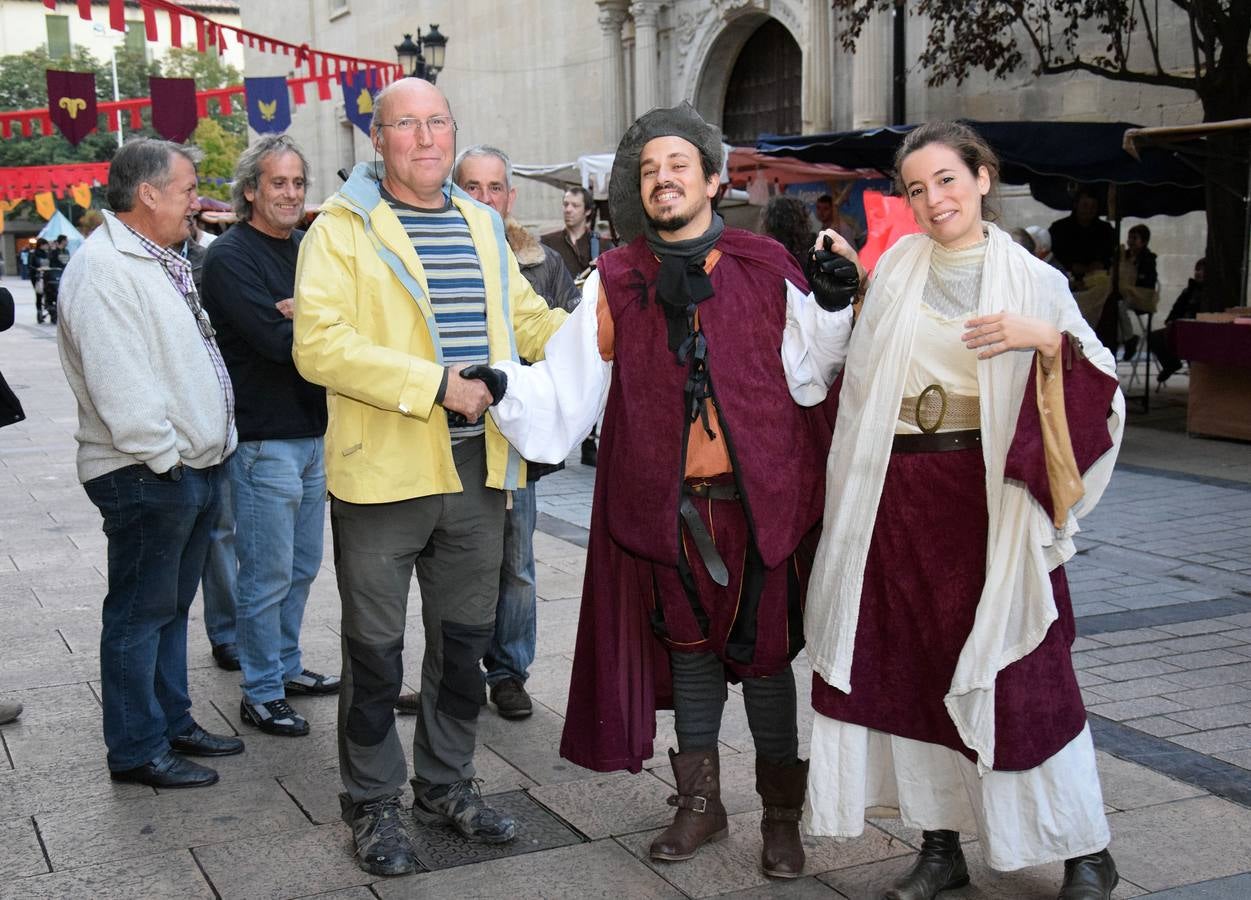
712, 491
938, 442
703, 540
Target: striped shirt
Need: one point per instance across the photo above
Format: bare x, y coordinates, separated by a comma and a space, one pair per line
178, 270
457, 292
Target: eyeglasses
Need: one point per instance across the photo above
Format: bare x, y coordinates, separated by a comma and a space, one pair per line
436, 124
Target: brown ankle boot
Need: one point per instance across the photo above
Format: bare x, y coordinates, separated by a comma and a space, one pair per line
781, 789
939, 867
701, 816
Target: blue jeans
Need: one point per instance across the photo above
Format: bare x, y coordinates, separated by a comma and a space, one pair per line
280, 508
512, 648
220, 571
158, 535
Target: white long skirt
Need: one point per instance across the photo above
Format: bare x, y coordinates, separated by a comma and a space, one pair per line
1041, 815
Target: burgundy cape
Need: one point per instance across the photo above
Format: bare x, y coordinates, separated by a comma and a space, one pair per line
620, 669
923, 580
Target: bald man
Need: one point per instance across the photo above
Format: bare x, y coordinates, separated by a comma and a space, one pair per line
406, 292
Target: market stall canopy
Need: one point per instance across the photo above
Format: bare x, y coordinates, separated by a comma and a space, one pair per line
1048, 156
59, 225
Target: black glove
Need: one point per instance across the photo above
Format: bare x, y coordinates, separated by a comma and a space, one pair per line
834, 279
495, 380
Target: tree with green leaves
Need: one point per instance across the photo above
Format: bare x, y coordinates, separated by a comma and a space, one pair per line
1053, 38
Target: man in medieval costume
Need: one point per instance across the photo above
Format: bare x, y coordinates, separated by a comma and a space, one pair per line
714, 360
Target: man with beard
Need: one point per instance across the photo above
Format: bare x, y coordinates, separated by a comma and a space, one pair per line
715, 361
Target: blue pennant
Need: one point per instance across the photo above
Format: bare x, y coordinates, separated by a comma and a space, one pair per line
269, 106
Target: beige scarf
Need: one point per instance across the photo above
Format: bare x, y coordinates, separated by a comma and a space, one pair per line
1016, 606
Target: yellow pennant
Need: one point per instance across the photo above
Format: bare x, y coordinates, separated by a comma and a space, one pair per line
82, 195
45, 205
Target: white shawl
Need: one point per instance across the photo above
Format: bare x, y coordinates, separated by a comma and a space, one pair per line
1016, 606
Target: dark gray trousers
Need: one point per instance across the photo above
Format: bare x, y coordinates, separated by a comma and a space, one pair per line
455, 543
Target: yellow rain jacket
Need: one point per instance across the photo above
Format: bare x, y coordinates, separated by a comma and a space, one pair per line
365, 329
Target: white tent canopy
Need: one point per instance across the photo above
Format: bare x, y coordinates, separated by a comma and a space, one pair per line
59, 225
592, 171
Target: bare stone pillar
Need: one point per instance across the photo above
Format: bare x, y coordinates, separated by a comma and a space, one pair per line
612, 14
646, 61
818, 101
871, 74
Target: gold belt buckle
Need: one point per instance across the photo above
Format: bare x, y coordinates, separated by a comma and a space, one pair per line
942, 409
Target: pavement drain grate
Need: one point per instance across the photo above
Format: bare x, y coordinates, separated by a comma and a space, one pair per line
439, 847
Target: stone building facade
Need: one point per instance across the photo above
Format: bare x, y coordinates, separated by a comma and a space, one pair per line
548, 80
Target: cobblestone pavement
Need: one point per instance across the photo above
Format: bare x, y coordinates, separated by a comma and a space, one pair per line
1162, 588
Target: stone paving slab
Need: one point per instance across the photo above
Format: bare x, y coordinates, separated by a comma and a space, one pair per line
283, 864
1237, 887
176, 819
171, 873
602, 870
1174, 844
20, 852
734, 863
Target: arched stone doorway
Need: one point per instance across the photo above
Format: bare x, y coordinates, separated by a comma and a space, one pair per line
763, 92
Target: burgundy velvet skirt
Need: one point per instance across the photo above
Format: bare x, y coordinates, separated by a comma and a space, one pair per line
922, 582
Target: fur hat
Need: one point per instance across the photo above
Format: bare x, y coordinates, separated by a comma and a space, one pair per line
624, 200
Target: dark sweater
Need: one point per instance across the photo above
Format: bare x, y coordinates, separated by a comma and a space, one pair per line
245, 274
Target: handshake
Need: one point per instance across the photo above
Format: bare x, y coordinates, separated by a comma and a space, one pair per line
466, 402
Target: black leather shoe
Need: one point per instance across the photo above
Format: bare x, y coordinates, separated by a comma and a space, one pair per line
1089, 877
169, 770
198, 742
510, 699
590, 453
408, 704
226, 656
939, 867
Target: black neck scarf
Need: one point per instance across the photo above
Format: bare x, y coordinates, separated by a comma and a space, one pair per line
682, 283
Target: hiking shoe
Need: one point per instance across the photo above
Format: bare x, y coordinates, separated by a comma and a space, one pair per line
308, 682
460, 805
274, 717
383, 844
510, 699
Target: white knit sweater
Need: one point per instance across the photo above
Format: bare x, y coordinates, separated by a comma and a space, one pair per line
132, 352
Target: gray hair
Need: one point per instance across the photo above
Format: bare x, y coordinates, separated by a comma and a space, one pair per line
143, 161
248, 169
381, 97
484, 151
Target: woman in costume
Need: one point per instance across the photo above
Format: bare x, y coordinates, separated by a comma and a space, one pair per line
978, 419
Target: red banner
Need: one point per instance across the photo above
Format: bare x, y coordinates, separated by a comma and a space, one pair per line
24, 182
72, 103
173, 107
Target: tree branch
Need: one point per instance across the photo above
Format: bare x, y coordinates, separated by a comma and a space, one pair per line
1160, 80
1151, 36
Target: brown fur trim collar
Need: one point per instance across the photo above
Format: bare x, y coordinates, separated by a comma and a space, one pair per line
525, 246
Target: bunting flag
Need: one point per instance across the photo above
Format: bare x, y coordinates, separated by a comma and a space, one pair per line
173, 107
72, 103
45, 205
24, 182
269, 106
82, 195
358, 98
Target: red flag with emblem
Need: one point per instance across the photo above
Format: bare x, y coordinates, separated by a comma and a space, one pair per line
173, 107
72, 103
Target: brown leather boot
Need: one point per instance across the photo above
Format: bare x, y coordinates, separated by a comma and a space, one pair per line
781, 789
701, 816
939, 867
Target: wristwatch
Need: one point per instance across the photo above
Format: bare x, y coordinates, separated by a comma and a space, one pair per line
174, 473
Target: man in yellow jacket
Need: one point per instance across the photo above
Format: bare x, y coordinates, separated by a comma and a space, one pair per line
403, 282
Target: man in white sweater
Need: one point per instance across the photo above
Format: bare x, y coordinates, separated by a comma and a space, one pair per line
155, 422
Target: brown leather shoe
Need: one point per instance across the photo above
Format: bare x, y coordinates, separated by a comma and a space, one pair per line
781, 789
1089, 877
701, 816
939, 867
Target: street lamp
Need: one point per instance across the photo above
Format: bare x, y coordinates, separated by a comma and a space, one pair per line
415, 62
